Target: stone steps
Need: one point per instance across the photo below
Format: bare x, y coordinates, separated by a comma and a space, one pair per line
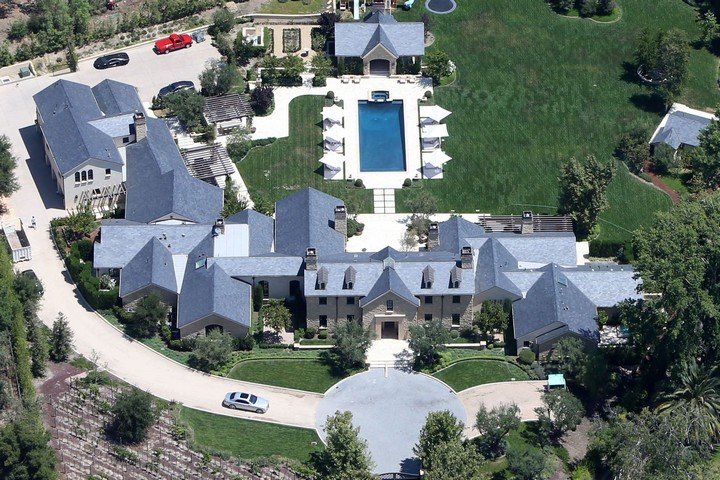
384, 200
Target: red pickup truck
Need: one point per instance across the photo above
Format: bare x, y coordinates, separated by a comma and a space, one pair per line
175, 41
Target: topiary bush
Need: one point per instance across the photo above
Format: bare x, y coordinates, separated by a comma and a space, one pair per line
330, 95
407, 182
310, 333
323, 335
454, 334
245, 343
359, 183
526, 356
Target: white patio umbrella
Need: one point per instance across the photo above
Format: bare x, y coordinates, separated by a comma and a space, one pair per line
334, 112
335, 132
332, 145
329, 122
332, 160
431, 171
434, 112
434, 131
436, 158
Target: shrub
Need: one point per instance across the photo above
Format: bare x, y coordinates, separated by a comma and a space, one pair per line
606, 7
428, 94
223, 21
319, 81
563, 6
500, 344
359, 183
663, 158
490, 346
407, 182
330, 95
133, 415
354, 227
262, 99
454, 334
526, 356
322, 335
84, 249
245, 343
310, 333
587, 8
298, 334
257, 297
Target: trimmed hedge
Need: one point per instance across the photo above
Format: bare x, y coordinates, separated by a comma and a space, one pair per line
623, 251
89, 284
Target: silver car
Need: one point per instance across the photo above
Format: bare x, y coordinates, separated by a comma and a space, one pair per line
246, 401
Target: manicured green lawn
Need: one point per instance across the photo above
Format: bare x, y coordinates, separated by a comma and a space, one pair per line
291, 163
535, 89
249, 439
470, 373
308, 375
293, 6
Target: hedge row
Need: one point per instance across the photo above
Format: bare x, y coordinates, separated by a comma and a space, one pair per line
11, 319
623, 251
81, 271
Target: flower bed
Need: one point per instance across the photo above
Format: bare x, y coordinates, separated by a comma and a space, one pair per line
291, 40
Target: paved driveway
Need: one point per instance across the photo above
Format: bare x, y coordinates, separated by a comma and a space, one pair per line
526, 395
127, 359
390, 412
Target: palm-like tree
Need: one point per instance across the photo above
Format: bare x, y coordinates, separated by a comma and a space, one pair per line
698, 399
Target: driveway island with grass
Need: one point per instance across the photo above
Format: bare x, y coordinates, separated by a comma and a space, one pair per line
469, 373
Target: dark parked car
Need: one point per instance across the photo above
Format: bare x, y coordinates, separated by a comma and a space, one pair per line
33, 276
113, 60
176, 87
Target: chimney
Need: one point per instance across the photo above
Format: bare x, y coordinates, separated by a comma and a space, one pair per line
433, 240
527, 223
311, 259
466, 257
140, 126
341, 220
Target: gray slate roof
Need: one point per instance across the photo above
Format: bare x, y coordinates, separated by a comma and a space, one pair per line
307, 219
455, 231
262, 266
494, 261
158, 183
262, 230
66, 109
554, 299
389, 281
115, 97
211, 291
357, 39
681, 128
121, 240
152, 265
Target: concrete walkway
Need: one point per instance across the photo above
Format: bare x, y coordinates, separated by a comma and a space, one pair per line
526, 395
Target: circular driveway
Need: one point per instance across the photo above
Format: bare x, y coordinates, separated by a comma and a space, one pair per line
390, 412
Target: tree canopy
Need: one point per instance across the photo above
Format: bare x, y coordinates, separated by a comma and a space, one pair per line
275, 315
583, 192
212, 350
134, 413
351, 344
25, 451
663, 58
346, 454
427, 341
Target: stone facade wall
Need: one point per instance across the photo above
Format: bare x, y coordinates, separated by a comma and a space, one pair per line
198, 327
168, 298
379, 53
336, 310
376, 312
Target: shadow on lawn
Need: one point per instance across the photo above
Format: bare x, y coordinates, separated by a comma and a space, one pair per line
648, 102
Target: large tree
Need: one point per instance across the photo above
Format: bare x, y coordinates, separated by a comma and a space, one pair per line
134, 413
493, 426
583, 192
212, 350
437, 65
148, 316
427, 341
526, 462
663, 58
187, 106
346, 455
561, 411
25, 450
704, 161
440, 427
8, 180
491, 317
679, 258
454, 461
351, 344
275, 315
61, 339
697, 395
232, 202
218, 78
634, 150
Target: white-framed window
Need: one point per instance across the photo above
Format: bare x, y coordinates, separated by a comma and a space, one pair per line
107, 172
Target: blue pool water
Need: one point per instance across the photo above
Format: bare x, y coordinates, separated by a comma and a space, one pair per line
382, 136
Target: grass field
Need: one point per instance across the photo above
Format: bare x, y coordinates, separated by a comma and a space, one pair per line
308, 375
293, 6
535, 89
249, 439
470, 373
291, 163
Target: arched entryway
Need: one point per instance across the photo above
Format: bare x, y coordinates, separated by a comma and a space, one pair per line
380, 67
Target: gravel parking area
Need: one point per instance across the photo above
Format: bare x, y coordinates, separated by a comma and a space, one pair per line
390, 412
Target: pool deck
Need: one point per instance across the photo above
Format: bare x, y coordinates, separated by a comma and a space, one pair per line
410, 94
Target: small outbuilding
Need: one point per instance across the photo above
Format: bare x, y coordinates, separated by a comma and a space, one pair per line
227, 112
681, 127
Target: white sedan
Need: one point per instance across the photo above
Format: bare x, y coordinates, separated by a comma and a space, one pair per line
246, 401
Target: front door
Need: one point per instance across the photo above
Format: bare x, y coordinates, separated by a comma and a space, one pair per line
389, 330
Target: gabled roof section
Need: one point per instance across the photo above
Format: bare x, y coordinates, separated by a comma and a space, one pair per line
389, 281
211, 291
428, 276
350, 276
66, 108
114, 97
493, 261
307, 219
387, 252
271, 265
152, 265
554, 298
455, 231
159, 185
322, 278
262, 229
357, 39
681, 126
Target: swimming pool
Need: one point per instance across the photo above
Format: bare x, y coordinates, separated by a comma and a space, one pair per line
382, 136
